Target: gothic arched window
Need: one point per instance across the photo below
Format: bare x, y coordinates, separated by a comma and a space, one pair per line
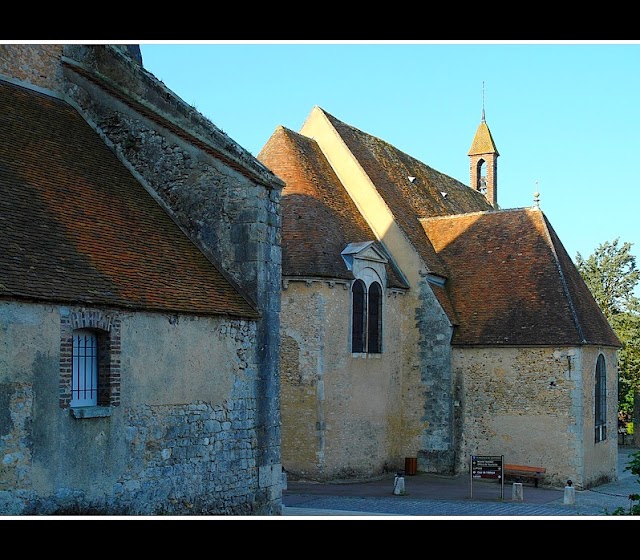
358, 316
374, 319
366, 317
601, 400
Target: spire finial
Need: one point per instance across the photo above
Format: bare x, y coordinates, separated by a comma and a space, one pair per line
483, 101
536, 196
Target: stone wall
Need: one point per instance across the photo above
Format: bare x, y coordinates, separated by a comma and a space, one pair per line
183, 440
434, 351
37, 65
341, 412
600, 459
352, 416
514, 398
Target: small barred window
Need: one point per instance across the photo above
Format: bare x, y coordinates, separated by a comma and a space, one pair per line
84, 377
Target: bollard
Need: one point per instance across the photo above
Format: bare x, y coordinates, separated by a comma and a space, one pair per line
517, 494
569, 494
398, 484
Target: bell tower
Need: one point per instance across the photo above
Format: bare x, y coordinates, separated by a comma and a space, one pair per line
483, 156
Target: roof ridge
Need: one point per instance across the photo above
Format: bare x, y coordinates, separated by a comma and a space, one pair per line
563, 280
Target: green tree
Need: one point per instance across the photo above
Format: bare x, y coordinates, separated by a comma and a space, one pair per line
611, 275
627, 327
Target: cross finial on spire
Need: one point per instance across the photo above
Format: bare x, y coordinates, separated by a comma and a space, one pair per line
483, 101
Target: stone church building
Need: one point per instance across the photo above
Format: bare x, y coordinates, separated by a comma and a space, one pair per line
421, 323
139, 297
179, 321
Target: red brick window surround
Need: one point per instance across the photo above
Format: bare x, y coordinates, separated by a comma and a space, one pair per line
107, 330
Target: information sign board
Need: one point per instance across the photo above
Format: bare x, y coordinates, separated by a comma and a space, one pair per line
487, 466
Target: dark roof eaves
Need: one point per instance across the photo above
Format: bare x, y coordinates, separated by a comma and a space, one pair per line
13, 296
288, 278
554, 344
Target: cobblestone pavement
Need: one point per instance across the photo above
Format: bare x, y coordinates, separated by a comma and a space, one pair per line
426, 496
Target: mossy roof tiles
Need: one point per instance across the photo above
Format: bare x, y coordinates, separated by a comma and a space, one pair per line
509, 280
78, 228
389, 170
513, 283
319, 219
483, 142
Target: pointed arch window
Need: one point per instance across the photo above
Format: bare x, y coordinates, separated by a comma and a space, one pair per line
358, 316
374, 319
366, 317
481, 174
600, 400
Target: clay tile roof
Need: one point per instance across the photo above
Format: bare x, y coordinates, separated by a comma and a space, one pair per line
483, 141
513, 282
429, 193
78, 228
319, 219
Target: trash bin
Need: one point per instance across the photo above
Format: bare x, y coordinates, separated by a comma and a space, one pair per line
410, 465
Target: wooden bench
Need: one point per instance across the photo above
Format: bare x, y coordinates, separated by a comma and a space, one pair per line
520, 472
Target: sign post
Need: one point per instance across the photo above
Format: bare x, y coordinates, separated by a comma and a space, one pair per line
487, 466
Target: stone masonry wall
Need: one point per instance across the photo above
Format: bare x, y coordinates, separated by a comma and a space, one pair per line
38, 65
437, 444
515, 397
342, 414
599, 460
177, 445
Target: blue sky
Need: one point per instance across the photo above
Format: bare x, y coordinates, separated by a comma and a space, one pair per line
565, 116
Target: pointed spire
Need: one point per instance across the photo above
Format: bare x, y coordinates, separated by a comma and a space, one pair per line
483, 141
483, 156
